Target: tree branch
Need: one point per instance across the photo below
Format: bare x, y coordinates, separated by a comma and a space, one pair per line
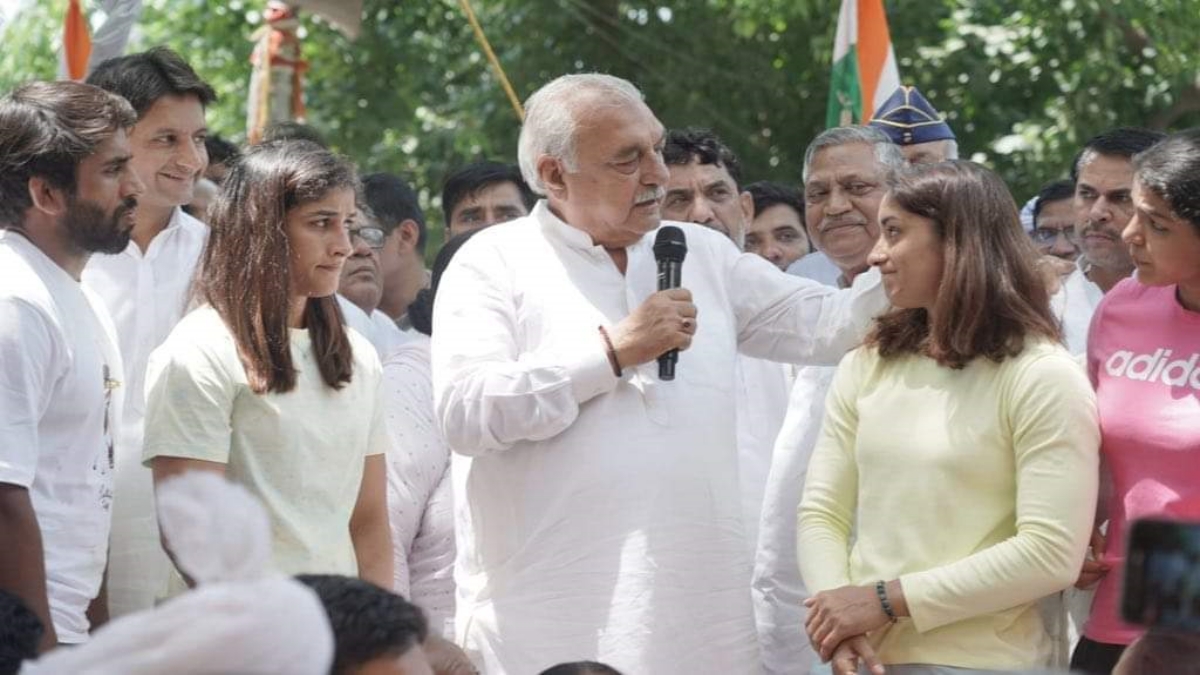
1188, 101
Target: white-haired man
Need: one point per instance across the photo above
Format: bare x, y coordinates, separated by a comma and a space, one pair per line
598, 507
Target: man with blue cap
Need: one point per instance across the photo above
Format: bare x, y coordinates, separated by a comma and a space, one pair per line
914, 125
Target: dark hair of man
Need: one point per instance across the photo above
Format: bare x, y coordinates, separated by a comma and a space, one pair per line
471, 179
1171, 170
20, 632
46, 130
220, 151
1162, 651
767, 194
293, 131
150, 75
420, 312
581, 668
393, 201
368, 622
1055, 191
1119, 142
683, 146
245, 274
991, 297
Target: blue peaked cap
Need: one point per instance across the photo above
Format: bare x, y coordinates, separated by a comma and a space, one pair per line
908, 119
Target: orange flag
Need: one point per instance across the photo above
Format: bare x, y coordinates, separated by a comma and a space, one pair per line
77, 42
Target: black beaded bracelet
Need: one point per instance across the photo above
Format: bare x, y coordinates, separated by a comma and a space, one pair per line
881, 591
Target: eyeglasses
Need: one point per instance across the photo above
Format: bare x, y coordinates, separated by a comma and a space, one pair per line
1049, 235
371, 236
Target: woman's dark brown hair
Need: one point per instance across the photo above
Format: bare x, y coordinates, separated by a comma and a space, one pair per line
991, 296
246, 275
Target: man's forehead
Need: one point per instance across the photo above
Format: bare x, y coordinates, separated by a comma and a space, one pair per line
694, 173
499, 191
114, 147
1106, 172
845, 161
776, 216
623, 121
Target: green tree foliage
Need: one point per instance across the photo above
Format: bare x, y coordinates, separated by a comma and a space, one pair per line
1023, 82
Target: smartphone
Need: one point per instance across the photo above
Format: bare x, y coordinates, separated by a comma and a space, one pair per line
1162, 575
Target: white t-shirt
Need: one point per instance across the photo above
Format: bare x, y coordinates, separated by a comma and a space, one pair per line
146, 293
420, 505
300, 452
60, 374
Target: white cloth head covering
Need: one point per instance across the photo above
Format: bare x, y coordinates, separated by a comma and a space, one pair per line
240, 619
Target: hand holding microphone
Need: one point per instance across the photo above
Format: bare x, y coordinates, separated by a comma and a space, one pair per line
665, 323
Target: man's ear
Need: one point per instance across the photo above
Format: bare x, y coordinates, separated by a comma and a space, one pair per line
747, 204
408, 232
550, 171
47, 198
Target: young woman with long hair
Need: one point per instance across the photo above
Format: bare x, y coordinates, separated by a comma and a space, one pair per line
264, 384
1144, 361
959, 446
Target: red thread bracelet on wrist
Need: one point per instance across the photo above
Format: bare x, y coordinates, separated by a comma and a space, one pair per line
611, 352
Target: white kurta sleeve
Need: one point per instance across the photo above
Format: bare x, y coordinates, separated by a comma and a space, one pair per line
795, 320
490, 394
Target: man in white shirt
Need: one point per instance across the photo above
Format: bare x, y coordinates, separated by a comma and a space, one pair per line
402, 256
482, 194
67, 190
1103, 177
597, 507
147, 287
361, 287
845, 171
704, 187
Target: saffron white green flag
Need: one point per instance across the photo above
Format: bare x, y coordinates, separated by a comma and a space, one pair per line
864, 65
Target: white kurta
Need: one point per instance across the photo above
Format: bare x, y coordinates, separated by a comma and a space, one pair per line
762, 403
146, 293
1074, 304
600, 518
778, 589
420, 506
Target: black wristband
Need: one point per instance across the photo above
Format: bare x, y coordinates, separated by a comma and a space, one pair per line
881, 591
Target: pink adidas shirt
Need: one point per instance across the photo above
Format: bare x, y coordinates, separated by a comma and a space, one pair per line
1144, 361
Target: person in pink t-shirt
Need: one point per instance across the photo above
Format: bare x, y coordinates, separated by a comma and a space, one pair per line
1144, 361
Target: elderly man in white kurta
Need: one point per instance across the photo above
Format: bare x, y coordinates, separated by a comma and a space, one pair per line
597, 508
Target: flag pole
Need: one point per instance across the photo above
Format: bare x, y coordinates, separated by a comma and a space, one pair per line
491, 56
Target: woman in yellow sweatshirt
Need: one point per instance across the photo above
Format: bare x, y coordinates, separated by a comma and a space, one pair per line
959, 447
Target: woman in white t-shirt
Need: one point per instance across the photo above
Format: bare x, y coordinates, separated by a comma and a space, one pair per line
263, 383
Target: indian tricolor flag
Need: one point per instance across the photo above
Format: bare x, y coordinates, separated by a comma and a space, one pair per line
864, 65
77, 43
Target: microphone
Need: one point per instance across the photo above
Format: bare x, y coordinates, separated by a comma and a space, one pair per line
670, 248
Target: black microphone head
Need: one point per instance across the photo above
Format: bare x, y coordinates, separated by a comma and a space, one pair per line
670, 245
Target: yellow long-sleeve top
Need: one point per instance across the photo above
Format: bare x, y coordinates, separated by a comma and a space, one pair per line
975, 487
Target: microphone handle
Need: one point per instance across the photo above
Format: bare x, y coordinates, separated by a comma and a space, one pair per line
670, 275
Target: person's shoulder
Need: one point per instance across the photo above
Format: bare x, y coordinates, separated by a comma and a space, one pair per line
1132, 290
414, 350
195, 231
366, 356
21, 275
200, 344
1046, 363
201, 330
